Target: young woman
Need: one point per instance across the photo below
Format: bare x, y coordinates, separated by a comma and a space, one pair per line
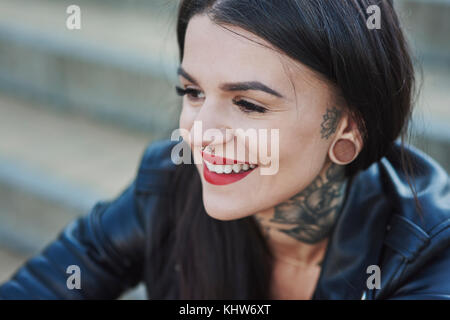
349, 213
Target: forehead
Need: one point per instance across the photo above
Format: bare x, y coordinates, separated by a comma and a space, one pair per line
229, 53
217, 54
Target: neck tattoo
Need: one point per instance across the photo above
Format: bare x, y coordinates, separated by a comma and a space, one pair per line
310, 215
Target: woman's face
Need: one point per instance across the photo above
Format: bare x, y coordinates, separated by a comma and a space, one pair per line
295, 105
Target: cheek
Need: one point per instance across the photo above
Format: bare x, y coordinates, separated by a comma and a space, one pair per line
187, 118
186, 123
302, 163
303, 153
306, 148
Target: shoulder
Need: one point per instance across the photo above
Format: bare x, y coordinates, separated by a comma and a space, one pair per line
421, 238
157, 167
430, 182
157, 155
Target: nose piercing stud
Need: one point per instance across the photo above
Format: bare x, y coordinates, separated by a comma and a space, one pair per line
211, 149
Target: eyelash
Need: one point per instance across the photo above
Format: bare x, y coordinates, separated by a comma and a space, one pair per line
243, 105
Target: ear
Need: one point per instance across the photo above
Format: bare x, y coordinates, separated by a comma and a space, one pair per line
347, 142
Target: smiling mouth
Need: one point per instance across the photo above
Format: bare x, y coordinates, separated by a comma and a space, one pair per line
229, 168
222, 171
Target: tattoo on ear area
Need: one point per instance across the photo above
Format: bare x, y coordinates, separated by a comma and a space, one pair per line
330, 122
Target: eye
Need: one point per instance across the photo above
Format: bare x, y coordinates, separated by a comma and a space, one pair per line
244, 106
192, 94
249, 107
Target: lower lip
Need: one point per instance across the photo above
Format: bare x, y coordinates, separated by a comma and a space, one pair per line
222, 179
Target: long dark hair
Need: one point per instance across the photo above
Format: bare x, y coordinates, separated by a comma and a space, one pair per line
373, 72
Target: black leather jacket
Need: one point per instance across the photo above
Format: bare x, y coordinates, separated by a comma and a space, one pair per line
379, 226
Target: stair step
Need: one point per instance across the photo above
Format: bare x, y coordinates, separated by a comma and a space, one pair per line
428, 24
54, 166
120, 67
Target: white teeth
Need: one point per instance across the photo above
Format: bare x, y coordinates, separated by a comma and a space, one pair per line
228, 168
209, 166
237, 168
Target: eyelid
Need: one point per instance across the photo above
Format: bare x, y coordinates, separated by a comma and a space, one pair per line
243, 104
188, 90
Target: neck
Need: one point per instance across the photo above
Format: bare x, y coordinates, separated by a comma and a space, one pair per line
298, 229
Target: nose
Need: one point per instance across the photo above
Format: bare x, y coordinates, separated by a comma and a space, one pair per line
216, 136
214, 139
214, 130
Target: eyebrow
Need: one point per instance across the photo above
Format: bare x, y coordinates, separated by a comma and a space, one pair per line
236, 86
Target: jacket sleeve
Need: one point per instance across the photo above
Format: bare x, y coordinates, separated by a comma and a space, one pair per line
107, 245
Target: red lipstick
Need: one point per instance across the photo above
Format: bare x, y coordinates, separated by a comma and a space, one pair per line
223, 178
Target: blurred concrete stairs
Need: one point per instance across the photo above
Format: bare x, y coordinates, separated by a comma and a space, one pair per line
119, 67
54, 166
77, 110
427, 25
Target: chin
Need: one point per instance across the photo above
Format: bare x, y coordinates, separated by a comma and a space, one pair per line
222, 210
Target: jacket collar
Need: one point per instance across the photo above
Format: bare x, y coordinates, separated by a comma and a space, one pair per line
377, 198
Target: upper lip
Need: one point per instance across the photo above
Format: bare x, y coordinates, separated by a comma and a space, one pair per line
213, 159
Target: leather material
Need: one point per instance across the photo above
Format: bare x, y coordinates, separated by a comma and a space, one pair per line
379, 225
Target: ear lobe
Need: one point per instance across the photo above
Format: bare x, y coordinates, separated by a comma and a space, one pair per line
347, 143
348, 129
